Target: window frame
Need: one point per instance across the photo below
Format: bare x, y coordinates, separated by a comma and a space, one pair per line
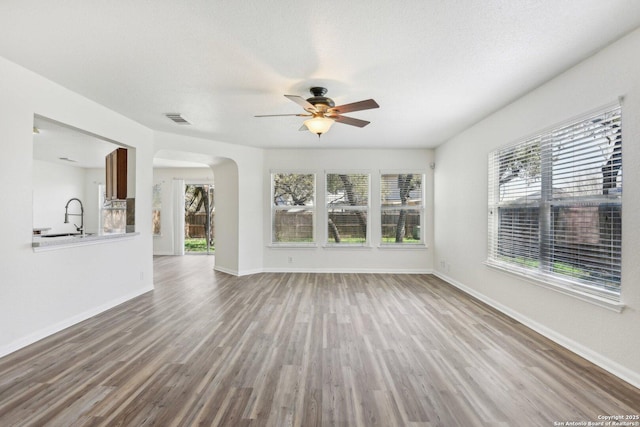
546, 205
286, 208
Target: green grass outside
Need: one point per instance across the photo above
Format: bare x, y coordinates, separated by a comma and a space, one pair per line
557, 267
196, 245
407, 239
294, 240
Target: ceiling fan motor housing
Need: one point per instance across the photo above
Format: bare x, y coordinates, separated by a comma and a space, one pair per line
318, 98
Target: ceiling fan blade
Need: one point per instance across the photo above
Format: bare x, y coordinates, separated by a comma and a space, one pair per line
350, 121
283, 115
354, 106
303, 127
302, 102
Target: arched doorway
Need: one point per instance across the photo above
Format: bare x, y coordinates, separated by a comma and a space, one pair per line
175, 172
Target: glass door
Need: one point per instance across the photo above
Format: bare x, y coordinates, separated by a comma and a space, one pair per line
198, 219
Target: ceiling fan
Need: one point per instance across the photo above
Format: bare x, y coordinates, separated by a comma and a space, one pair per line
324, 113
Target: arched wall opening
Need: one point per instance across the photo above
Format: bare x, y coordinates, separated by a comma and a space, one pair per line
174, 168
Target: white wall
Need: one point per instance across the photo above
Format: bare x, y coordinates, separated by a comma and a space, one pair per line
323, 258
94, 177
228, 220
43, 292
164, 243
608, 338
53, 186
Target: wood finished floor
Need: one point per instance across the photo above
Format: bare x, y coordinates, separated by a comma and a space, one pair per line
206, 348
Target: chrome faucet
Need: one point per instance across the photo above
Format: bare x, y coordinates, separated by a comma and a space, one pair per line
81, 215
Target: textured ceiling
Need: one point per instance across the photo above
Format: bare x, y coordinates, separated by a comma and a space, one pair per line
435, 67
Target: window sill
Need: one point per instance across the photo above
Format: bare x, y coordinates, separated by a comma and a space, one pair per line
349, 246
544, 282
292, 245
403, 246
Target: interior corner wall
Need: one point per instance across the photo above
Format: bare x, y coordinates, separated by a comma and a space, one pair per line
44, 292
327, 258
608, 338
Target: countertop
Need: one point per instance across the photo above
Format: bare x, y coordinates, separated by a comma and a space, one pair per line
59, 242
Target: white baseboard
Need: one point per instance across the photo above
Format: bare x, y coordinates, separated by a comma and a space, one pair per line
347, 270
43, 333
226, 270
322, 270
237, 273
249, 272
598, 359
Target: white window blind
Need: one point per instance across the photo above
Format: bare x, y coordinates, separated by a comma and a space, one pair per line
555, 205
293, 208
347, 201
401, 200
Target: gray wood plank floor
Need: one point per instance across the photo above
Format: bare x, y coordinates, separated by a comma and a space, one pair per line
206, 348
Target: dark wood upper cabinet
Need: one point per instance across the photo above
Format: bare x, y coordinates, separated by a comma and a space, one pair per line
116, 174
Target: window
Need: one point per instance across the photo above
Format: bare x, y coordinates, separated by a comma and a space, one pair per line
402, 208
555, 205
156, 203
293, 208
113, 213
347, 199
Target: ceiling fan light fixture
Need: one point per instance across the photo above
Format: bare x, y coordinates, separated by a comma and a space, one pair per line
318, 125
324, 113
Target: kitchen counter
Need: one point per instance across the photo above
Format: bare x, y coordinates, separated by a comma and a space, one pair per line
42, 243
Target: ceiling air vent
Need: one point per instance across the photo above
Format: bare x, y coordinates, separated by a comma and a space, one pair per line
177, 118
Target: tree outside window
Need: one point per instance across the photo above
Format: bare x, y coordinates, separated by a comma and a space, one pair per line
401, 208
347, 202
555, 205
293, 208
